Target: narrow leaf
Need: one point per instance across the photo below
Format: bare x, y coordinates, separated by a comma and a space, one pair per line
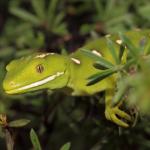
58, 19
9, 140
122, 87
98, 65
39, 8
25, 15
134, 51
121, 52
100, 76
64, 52
147, 49
99, 59
35, 140
18, 123
129, 63
66, 146
144, 11
60, 29
52, 6
99, 8
110, 45
51, 10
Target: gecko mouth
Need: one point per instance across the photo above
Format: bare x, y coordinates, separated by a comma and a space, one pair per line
35, 84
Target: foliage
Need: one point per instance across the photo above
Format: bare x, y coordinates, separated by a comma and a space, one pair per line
44, 17
129, 80
66, 146
35, 141
64, 122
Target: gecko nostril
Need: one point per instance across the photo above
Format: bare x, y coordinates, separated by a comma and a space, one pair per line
12, 83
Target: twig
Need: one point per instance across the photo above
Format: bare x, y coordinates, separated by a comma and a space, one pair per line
9, 139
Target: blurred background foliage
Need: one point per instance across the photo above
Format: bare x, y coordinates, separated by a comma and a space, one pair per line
27, 26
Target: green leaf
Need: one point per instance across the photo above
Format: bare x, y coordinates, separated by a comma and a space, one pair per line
121, 51
9, 140
52, 6
39, 8
58, 19
86, 28
147, 49
64, 52
134, 51
18, 123
110, 45
66, 146
99, 59
25, 15
100, 76
122, 87
8, 51
99, 8
144, 11
98, 65
109, 7
51, 10
35, 140
129, 63
61, 29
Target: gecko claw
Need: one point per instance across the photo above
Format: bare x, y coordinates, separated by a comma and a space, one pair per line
112, 114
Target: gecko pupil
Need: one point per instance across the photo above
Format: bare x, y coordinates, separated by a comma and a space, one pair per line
40, 68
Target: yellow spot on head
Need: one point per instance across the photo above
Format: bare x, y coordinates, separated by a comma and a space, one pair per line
42, 55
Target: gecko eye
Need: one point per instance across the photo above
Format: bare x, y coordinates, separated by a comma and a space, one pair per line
39, 68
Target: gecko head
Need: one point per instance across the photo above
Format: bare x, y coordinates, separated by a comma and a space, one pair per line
34, 72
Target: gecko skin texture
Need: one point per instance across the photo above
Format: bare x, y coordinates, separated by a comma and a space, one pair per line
54, 71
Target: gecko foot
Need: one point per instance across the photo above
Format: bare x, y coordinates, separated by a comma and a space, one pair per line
116, 115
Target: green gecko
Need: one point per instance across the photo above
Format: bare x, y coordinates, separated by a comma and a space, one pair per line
54, 71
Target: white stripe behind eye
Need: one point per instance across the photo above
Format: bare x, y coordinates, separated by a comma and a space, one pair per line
38, 83
42, 55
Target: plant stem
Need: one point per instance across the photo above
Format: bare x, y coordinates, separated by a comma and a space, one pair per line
9, 139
